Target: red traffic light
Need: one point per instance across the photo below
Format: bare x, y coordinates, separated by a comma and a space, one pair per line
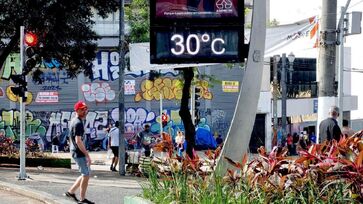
31, 39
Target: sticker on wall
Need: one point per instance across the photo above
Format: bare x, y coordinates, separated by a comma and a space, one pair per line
47, 97
230, 86
129, 87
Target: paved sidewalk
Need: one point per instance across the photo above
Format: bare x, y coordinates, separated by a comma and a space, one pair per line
48, 185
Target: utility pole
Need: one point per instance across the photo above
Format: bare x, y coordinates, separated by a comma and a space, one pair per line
283, 95
327, 60
121, 98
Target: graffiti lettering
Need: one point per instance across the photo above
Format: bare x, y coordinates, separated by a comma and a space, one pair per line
99, 92
169, 89
105, 66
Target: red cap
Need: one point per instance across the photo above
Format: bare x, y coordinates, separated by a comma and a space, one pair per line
80, 105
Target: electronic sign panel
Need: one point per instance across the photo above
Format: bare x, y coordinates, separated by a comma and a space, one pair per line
196, 45
167, 11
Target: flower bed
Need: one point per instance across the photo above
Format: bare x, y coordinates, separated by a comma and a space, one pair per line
325, 173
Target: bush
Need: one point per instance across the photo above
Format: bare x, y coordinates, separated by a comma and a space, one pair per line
326, 173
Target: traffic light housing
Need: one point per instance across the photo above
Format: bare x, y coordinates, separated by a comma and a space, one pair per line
21, 86
32, 56
164, 119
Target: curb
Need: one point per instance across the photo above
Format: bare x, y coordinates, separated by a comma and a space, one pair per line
136, 200
37, 195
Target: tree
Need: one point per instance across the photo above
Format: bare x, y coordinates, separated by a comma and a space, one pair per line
64, 29
138, 16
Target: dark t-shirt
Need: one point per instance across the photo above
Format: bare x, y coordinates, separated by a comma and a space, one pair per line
76, 130
329, 130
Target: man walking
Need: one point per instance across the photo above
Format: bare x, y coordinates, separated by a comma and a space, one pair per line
79, 153
328, 128
113, 143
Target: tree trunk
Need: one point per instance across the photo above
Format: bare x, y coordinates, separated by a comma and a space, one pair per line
185, 114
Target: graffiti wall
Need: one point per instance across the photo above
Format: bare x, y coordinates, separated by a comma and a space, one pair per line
100, 92
47, 124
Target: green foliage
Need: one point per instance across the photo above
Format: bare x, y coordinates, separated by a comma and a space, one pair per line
326, 173
137, 14
64, 29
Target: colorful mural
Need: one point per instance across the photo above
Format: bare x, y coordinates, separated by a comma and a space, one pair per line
48, 124
169, 88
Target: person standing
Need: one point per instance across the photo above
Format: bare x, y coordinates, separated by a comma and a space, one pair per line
113, 143
145, 137
346, 130
55, 143
79, 154
329, 128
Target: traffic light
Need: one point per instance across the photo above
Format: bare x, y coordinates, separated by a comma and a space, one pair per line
32, 57
164, 119
21, 86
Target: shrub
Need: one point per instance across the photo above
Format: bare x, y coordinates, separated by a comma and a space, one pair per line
326, 173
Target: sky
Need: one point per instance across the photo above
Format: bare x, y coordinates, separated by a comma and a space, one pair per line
290, 11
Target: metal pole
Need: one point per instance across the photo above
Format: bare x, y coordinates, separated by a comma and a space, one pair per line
283, 95
161, 114
341, 62
274, 92
121, 105
22, 173
327, 60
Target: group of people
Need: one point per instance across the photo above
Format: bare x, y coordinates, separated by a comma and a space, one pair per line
328, 130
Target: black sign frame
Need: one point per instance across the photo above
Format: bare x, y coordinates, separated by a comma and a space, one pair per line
184, 59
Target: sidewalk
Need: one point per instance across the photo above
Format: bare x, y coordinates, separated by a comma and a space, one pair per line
46, 185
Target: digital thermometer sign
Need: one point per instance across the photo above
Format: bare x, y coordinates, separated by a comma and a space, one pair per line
191, 45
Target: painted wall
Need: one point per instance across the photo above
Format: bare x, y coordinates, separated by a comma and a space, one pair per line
100, 93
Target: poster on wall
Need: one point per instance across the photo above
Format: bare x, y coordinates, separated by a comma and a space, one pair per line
47, 97
129, 87
230, 86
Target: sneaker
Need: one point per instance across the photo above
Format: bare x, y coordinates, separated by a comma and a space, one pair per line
114, 169
85, 201
111, 167
71, 196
